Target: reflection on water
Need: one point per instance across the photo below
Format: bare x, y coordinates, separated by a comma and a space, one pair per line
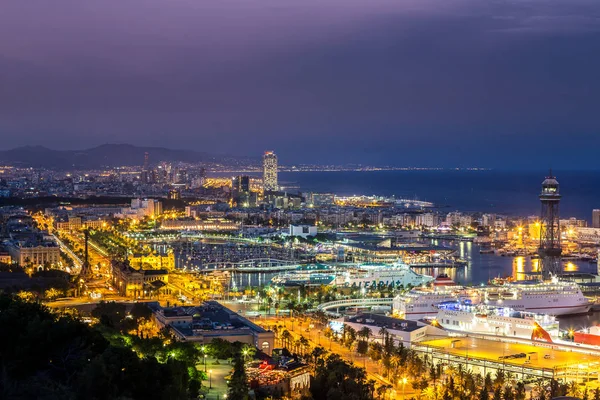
484, 267
570, 267
481, 268
242, 280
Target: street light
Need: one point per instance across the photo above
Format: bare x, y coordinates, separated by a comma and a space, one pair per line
404, 381
205, 363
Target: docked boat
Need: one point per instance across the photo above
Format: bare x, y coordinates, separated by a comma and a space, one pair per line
421, 302
497, 321
552, 297
307, 275
303, 279
590, 336
368, 275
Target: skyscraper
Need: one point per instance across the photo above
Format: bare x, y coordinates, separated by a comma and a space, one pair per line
270, 171
596, 219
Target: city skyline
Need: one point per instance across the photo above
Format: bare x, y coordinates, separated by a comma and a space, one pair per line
409, 83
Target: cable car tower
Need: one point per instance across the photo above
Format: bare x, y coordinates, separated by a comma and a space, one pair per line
550, 249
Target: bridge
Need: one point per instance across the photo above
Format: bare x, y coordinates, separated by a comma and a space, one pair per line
354, 303
254, 265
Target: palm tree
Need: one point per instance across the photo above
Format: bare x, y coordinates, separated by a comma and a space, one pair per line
316, 354
396, 362
328, 332
248, 351
383, 333
297, 345
286, 336
304, 343
365, 333
349, 336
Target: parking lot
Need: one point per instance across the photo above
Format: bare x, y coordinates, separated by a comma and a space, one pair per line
519, 358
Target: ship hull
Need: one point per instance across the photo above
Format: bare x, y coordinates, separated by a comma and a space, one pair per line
555, 310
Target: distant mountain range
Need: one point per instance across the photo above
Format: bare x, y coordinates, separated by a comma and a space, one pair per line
109, 155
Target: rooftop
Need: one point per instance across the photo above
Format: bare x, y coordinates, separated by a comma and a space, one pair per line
382, 321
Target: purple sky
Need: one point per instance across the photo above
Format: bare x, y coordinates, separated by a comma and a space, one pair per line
406, 82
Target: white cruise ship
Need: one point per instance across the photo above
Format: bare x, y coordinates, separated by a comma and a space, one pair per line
422, 302
367, 275
497, 321
553, 297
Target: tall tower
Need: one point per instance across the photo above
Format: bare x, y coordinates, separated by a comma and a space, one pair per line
550, 249
146, 159
270, 171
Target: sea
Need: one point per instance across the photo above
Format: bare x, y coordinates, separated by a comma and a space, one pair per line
511, 193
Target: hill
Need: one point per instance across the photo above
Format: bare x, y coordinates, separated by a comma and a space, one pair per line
108, 155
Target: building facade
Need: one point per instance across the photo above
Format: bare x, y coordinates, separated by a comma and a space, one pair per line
137, 283
270, 172
596, 218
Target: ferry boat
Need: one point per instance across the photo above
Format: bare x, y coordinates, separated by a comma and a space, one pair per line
372, 274
422, 302
552, 297
496, 321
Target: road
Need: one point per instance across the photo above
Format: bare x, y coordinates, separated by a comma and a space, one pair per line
316, 337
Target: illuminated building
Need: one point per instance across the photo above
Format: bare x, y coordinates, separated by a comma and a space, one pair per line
136, 283
74, 223
595, 218
270, 171
5, 258
320, 199
35, 253
242, 196
199, 225
154, 261
142, 208
240, 184
174, 194
303, 230
209, 321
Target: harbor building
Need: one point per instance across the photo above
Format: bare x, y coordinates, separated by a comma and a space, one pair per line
209, 321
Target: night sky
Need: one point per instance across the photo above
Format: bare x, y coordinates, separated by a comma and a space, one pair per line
492, 83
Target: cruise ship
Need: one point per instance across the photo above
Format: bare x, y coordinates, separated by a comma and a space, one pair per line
422, 302
372, 274
361, 276
496, 321
553, 298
